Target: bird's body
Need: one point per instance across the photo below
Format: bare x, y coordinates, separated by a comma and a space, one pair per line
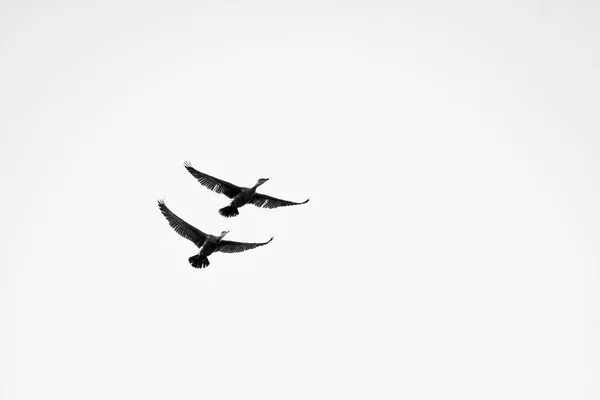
243, 197
208, 244
240, 195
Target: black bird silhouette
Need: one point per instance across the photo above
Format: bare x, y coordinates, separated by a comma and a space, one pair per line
207, 244
240, 195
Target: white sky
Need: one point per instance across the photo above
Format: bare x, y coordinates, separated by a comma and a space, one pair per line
451, 154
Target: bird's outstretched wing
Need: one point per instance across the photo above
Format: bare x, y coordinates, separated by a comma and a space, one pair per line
264, 201
227, 246
180, 226
216, 185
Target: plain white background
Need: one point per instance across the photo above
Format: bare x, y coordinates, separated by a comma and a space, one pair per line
450, 151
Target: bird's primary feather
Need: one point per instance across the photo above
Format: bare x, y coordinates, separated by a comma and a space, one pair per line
180, 226
216, 185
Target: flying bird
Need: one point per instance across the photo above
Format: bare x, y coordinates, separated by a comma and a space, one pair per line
207, 244
240, 195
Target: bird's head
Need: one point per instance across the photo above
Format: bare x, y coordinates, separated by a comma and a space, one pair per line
223, 234
261, 181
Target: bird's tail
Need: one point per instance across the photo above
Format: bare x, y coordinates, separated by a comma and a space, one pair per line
199, 261
228, 211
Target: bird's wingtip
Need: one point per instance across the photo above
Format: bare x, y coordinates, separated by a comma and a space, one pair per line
306, 201
187, 164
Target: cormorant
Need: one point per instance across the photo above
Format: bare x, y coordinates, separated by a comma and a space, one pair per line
240, 195
207, 244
